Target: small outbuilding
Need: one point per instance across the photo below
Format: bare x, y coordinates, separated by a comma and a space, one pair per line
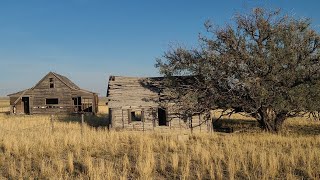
54, 94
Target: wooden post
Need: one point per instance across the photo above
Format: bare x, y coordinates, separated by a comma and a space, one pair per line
142, 118
179, 121
82, 124
129, 116
191, 127
122, 118
211, 123
52, 123
154, 114
200, 122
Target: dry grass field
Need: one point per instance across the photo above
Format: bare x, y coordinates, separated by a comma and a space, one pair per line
31, 147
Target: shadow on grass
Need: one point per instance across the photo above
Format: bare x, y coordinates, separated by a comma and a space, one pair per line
232, 125
95, 121
303, 129
292, 127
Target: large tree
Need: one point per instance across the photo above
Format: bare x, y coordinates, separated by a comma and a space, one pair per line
264, 64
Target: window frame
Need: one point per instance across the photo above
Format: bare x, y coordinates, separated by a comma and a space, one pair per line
131, 115
52, 99
51, 83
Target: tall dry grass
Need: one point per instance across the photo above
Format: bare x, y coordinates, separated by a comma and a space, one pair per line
30, 149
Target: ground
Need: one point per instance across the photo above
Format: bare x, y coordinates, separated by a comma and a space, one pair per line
37, 147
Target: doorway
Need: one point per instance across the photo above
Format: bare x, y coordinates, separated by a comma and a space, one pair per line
77, 104
162, 116
26, 106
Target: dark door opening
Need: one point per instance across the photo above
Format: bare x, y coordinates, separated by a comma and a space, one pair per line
26, 106
79, 104
162, 116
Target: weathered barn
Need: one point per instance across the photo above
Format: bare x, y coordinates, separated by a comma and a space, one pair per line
134, 103
54, 94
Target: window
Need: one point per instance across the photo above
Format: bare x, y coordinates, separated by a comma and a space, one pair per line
136, 116
52, 101
51, 82
87, 104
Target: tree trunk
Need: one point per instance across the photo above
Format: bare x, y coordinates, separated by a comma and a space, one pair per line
270, 120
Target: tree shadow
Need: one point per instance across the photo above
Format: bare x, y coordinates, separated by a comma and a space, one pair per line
95, 121
303, 129
242, 125
232, 125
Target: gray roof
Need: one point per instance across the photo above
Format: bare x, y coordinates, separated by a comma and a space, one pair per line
62, 78
65, 80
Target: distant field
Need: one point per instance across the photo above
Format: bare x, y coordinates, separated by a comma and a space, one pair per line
4, 102
102, 101
103, 108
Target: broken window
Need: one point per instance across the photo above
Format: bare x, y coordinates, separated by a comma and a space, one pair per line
136, 116
87, 104
52, 101
51, 82
77, 104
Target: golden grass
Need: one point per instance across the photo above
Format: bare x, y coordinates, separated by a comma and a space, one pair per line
4, 102
30, 148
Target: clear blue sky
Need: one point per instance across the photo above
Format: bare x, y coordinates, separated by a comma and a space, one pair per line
88, 40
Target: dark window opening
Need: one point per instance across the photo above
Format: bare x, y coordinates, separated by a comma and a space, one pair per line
87, 104
51, 82
136, 116
162, 116
111, 78
52, 101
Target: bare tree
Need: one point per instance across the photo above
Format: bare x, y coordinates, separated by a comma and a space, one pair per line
265, 64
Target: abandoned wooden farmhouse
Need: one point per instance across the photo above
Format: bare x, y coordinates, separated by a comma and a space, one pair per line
54, 94
135, 103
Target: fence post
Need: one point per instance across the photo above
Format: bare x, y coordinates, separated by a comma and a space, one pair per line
52, 123
82, 124
191, 125
142, 118
200, 122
